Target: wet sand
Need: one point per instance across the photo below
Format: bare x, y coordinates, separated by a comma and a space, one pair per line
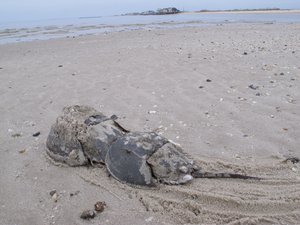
228, 94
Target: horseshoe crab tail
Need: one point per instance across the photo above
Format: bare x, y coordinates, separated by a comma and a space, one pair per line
198, 174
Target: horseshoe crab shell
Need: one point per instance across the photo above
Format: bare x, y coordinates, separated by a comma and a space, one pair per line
82, 134
126, 159
147, 158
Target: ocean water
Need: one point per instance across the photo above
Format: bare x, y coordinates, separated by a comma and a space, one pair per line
70, 27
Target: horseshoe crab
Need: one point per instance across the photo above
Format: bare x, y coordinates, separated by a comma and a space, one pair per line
83, 135
142, 158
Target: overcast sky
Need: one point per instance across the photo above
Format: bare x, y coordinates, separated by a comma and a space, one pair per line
15, 10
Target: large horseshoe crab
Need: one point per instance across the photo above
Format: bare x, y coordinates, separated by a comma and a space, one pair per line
82, 135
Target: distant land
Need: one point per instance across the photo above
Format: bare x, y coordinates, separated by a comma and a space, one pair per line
239, 10
173, 10
164, 11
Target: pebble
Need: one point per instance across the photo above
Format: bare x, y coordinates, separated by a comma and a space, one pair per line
60, 65
55, 197
52, 192
75, 193
87, 215
152, 112
149, 219
36, 134
208, 80
245, 53
22, 151
253, 87
16, 135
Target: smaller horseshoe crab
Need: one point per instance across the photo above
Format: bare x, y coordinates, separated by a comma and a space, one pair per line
83, 135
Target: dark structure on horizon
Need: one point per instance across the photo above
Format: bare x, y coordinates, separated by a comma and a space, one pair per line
163, 11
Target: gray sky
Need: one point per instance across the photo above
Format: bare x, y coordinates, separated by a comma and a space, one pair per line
16, 10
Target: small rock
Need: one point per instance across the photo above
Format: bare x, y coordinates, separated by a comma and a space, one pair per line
242, 99
75, 193
152, 112
60, 65
1, 68
245, 53
201, 87
52, 193
87, 215
208, 80
99, 206
22, 151
253, 87
55, 197
258, 94
36, 134
149, 219
16, 135
281, 74
272, 116
293, 160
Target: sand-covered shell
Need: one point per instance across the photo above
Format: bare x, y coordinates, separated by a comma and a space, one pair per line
81, 135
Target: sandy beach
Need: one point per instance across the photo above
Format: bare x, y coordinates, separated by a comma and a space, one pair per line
228, 94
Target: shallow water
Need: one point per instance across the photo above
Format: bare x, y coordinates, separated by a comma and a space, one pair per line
69, 27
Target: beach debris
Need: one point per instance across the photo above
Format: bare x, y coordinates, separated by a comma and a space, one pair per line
54, 195
100, 206
88, 214
16, 135
253, 87
74, 194
148, 220
36, 134
293, 160
82, 135
152, 112
23, 151
242, 99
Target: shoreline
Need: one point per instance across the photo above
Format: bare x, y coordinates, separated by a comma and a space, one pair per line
115, 24
244, 11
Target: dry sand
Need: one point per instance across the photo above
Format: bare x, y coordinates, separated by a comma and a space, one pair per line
224, 124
